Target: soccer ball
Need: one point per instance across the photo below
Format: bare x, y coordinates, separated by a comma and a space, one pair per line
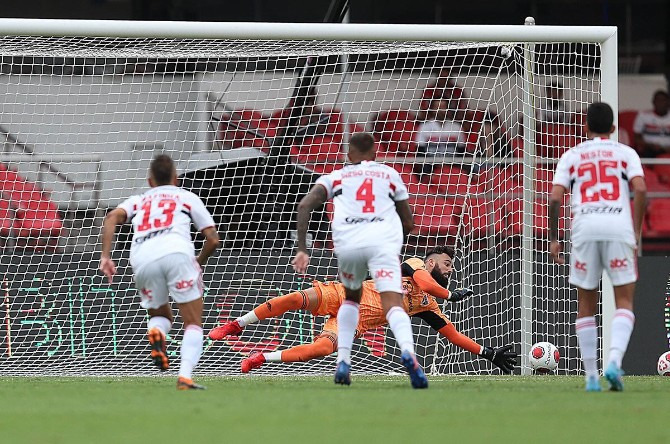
663, 366
544, 357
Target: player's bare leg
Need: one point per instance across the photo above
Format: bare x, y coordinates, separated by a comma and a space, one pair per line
160, 323
401, 326
587, 335
277, 306
622, 327
322, 346
347, 321
191, 344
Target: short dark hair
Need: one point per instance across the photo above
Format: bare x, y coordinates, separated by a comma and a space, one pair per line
363, 142
660, 92
162, 168
449, 251
599, 118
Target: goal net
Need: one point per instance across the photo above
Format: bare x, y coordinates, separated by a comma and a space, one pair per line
473, 127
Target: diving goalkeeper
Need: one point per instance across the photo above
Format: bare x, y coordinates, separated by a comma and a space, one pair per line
423, 282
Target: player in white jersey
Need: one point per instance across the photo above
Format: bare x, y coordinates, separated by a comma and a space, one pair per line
371, 213
600, 175
163, 259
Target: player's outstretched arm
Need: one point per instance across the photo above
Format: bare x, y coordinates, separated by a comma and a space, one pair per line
211, 244
555, 202
314, 199
427, 283
502, 357
115, 217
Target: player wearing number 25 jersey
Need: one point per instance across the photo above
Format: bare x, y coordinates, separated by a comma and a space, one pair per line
597, 172
163, 259
600, 174
371, 213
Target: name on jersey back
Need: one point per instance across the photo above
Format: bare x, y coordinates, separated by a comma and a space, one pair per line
596, 154
367, 173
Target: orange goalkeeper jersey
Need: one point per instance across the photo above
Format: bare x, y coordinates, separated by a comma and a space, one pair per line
416, 303
415, 299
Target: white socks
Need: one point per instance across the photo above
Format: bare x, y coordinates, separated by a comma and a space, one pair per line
347, 321
274, 356
191, 349
247, 319
402, 328
161, 323
587, 338
622, 327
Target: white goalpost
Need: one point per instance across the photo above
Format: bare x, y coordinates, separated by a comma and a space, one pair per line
253, 113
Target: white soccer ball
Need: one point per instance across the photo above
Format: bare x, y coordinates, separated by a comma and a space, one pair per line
544, 357
663, 365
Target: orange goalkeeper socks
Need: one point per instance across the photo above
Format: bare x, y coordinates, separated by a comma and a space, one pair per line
459, 339
281, 304
323, 346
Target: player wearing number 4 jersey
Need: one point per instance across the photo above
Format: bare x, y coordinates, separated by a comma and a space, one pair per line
600, 174
371, 213
163, 259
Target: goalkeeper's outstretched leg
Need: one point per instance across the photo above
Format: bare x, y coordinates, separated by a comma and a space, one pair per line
277, 306
323, 345
311, 299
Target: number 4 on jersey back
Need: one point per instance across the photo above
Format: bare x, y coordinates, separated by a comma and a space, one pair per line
366, 194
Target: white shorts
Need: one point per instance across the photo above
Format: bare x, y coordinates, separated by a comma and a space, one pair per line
383, 263
176, 274
589, 259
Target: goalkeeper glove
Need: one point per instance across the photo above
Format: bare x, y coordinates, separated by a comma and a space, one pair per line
503, 357
459, 294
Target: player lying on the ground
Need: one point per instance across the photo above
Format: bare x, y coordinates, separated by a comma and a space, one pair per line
422, 281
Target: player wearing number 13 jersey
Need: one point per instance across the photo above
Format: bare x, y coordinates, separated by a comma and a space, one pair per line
163, 260
600, 174
371, 213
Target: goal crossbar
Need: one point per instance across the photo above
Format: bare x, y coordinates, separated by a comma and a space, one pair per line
304, 31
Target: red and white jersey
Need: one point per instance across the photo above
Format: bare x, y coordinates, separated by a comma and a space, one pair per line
161, 220
653, 128
440, 137
364, 197
597, 173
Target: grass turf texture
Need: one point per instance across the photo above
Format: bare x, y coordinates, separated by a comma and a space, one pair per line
543, 409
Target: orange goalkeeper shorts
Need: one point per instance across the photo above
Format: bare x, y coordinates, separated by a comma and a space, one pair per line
331, 296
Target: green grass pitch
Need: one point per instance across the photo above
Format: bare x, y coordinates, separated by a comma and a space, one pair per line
373, 410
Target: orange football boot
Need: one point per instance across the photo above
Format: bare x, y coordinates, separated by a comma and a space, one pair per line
158, 349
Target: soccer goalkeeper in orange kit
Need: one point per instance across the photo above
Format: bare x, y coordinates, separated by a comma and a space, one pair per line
423, 282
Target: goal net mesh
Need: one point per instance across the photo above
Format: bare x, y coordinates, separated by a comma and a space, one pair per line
251, 124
